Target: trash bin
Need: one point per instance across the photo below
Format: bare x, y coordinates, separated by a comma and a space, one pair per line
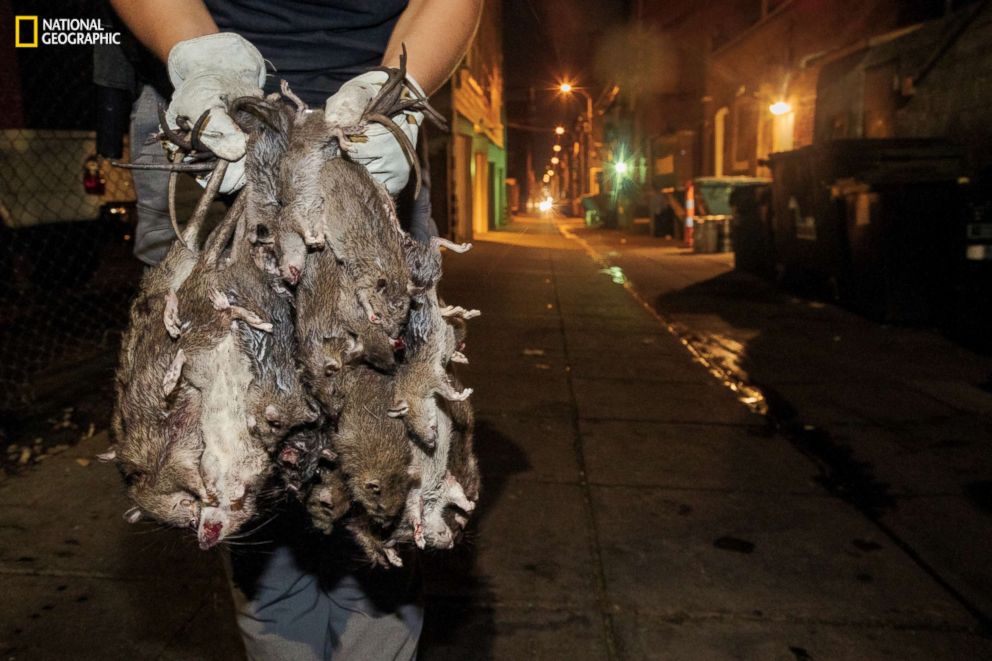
591, 209
713, 230
751, 227
867, 221
711, 234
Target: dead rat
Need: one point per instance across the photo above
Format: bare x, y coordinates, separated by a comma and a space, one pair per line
364, 235
462, 462
438, 490
331, 331
239, 363
372, 448
328, 500
424, 376
267, 124
315, 140
156, 427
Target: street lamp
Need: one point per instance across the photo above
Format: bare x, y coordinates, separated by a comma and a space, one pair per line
567, 88
556, 148
559, 130
555, 160
779, 108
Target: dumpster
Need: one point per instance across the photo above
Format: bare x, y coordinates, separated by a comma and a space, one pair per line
713, 230
969, 308
711, 233
751, 227
591, 210
868, 221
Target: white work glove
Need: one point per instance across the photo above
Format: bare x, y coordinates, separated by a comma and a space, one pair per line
206, 72
381, 154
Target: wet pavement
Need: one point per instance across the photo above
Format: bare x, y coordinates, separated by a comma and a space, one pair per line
634, 506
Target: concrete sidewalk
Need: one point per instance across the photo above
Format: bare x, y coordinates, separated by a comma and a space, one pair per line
633, 508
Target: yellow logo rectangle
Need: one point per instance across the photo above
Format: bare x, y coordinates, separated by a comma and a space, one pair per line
27, 23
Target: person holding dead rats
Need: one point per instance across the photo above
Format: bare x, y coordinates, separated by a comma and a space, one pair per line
297, 597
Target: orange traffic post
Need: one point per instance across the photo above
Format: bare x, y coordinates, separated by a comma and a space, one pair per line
690, 212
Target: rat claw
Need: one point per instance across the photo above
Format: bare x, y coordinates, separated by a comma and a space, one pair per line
455, 494
459, 357
133, 515
221, 303
451, 245
219, 299
459, 311
109, 455
393, 557
250, 318
171, 378
453, 395
170, 316
363, 299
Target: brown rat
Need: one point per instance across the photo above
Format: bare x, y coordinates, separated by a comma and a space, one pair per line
156, 422
328, 500
423, 376
372, 448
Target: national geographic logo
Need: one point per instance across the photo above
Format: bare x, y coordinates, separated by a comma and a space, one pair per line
61, 32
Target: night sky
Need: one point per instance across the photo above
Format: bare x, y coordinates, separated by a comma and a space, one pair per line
544, 42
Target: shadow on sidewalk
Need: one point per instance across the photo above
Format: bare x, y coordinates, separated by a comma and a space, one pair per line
460, 605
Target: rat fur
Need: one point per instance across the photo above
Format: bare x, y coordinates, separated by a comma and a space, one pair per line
372, 448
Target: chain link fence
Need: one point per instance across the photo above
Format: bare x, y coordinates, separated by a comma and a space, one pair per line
66, 225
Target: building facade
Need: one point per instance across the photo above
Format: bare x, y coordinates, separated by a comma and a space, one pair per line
752, 78
468, 167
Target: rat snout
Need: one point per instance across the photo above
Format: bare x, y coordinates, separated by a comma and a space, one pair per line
211, 529
290, 273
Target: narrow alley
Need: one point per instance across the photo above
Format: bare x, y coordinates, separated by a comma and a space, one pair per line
633, 508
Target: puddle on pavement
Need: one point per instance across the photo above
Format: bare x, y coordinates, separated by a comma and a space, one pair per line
616, 274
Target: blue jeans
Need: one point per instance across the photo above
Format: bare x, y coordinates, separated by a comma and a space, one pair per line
297, 596
300, 597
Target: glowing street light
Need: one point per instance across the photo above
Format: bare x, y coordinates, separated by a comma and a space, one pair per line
779, 108
568, 89
620, 168
545, 178
550, 173
556, 148
559, 130
555, 160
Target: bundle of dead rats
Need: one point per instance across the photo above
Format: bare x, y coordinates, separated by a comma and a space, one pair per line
297, 354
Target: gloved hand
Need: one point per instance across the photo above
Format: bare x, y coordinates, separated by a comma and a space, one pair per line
381, 154
207, 72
